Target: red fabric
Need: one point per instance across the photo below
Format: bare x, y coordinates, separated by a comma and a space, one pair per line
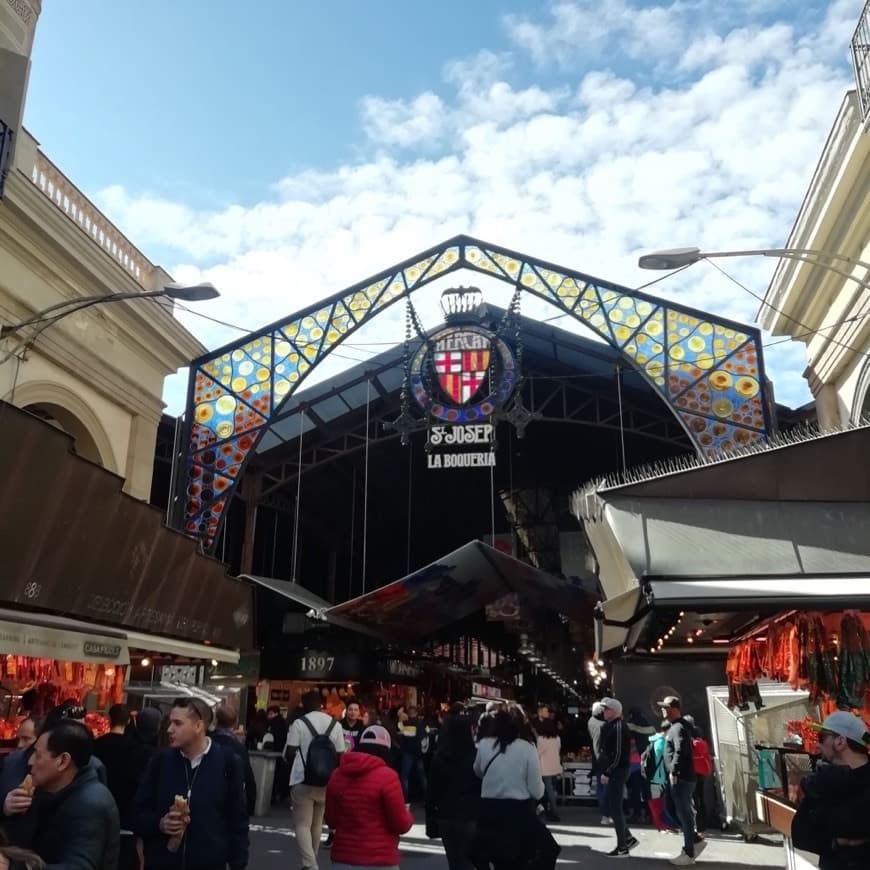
701, 760
366, 808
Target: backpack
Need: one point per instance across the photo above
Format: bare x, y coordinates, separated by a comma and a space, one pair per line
322, 758
701, 760
648, 765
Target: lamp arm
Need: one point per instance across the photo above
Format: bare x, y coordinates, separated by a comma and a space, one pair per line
76, 305
788, 253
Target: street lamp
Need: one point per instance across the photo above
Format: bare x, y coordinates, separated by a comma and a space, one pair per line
678, 258
183, 292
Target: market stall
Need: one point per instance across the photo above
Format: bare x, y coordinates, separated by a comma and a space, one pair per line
46, 661
785, 674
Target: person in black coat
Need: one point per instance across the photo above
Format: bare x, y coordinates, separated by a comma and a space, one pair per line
615, 766
211, 778
453, 796
226, 720
78, 827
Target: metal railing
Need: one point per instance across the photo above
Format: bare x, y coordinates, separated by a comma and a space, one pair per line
81, 211
6, 135
861, 59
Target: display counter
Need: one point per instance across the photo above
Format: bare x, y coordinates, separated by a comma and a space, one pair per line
778, 813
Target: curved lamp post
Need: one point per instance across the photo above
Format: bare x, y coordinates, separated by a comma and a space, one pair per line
186, 293
677, 258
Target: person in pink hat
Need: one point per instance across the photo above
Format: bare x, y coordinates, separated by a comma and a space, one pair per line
365, 805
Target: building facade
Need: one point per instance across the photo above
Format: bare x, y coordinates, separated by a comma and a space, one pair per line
828, 309
97, 374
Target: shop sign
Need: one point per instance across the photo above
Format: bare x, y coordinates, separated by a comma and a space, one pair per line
40, 641
189, 675
313, 664
479, 690
399, 669
460, 436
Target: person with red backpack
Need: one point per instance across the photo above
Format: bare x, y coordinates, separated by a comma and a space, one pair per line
314, 742
703, 764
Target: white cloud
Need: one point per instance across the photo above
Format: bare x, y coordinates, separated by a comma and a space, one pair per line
587, 172
396, 122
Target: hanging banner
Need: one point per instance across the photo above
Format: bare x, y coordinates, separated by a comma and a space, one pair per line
39, 641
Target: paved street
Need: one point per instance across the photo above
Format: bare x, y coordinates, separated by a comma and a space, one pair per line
582, 839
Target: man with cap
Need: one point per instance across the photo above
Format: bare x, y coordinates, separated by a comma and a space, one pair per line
595, 727
832, 819
680, 767
615, 769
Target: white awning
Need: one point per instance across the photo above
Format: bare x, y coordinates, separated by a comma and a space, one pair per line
852, 590
155, 643
24, 633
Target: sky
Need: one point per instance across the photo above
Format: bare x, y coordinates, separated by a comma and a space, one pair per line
286, 150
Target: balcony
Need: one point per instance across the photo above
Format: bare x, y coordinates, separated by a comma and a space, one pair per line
861, 59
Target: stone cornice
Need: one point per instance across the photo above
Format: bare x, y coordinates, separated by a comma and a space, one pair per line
86, 268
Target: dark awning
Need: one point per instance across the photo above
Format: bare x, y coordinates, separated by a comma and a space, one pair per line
74, 543
453, 588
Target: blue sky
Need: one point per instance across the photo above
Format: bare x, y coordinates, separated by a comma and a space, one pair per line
285, 150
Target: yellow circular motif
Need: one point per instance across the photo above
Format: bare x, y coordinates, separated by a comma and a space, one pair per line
238, 355
706, 329
204, 413
245, 368
303, 367
655, 368
280, 368
294, 376
513, 266
333, 335
657, 348
704, 361
616, 315
747, 387
729, 333
322, 316
254, 388
292, 330
282, 348
686, 367
722, 407
597, 320
227, 371
239, 385
225, 405
282, 387
451, 256
676, 352
660, 381
642, 358
263, 374
528, 280
622, 333
684, 332
310, 352
225, 429
641, 338
673, 338
307, 322
644, 308
225, 380
654, 327
293, 358
721, 381
633, 321
316, 334
630, 349
696, 344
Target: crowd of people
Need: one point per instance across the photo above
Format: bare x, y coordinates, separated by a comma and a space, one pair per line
176, 792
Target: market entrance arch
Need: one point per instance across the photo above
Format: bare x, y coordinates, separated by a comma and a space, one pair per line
708, 370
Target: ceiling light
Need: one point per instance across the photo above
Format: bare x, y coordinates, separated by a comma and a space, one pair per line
145, 662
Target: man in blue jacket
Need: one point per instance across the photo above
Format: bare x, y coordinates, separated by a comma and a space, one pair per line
210, 778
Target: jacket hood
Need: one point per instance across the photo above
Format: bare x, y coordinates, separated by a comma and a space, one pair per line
360, 763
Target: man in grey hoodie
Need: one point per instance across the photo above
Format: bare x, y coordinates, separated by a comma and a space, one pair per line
595, 724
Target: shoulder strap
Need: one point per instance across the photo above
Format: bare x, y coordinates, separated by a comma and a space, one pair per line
331, 726
310, 727
489, 764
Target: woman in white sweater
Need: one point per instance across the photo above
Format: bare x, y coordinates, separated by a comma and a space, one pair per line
509, 833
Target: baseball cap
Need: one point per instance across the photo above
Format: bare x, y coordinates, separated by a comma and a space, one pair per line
845, 725
669, 701
376, 735
612, 704
597, 708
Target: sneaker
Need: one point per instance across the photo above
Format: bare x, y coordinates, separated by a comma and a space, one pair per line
606, 820
618, 853
682, 860
700, 845
330, 839
633, 842
552, 817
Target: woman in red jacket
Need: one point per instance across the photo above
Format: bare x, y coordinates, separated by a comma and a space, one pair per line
365, 805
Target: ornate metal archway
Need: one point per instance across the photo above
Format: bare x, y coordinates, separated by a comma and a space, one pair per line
709, 371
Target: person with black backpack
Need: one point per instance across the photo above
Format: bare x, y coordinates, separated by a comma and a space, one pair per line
314, 743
